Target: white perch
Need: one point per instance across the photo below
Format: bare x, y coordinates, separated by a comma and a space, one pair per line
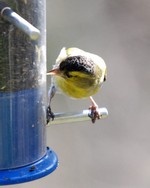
20, 23
70, 117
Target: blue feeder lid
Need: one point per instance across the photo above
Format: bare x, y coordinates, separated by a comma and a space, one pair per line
34, 171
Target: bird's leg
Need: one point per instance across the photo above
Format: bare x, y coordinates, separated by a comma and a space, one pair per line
94, 112
49, 114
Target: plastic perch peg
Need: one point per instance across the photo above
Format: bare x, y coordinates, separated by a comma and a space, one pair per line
8, 14
70, 117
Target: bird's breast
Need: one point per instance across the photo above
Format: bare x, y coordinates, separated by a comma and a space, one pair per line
77, 87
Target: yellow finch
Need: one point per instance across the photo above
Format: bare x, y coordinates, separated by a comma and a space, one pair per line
79, 74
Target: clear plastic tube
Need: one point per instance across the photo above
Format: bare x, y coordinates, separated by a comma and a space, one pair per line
22, 88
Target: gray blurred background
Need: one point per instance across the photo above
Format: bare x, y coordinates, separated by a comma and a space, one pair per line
115, 152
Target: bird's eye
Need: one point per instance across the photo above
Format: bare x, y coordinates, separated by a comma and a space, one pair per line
68, 75
105, 77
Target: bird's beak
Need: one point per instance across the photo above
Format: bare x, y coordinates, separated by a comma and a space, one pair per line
53, 72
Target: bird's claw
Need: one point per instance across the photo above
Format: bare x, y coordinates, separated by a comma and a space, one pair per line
94, 114
49, 114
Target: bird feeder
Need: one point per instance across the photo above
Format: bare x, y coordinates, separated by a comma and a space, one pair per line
23, 153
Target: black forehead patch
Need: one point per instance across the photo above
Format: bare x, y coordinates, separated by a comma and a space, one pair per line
77, 63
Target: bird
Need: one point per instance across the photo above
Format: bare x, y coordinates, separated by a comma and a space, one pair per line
78, 74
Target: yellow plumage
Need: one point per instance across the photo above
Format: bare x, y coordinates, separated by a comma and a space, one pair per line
77, 82
79, 74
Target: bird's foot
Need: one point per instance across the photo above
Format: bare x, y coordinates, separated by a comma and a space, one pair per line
94, 113
49, 114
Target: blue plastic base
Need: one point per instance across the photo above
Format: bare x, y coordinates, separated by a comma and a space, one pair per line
37, 170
